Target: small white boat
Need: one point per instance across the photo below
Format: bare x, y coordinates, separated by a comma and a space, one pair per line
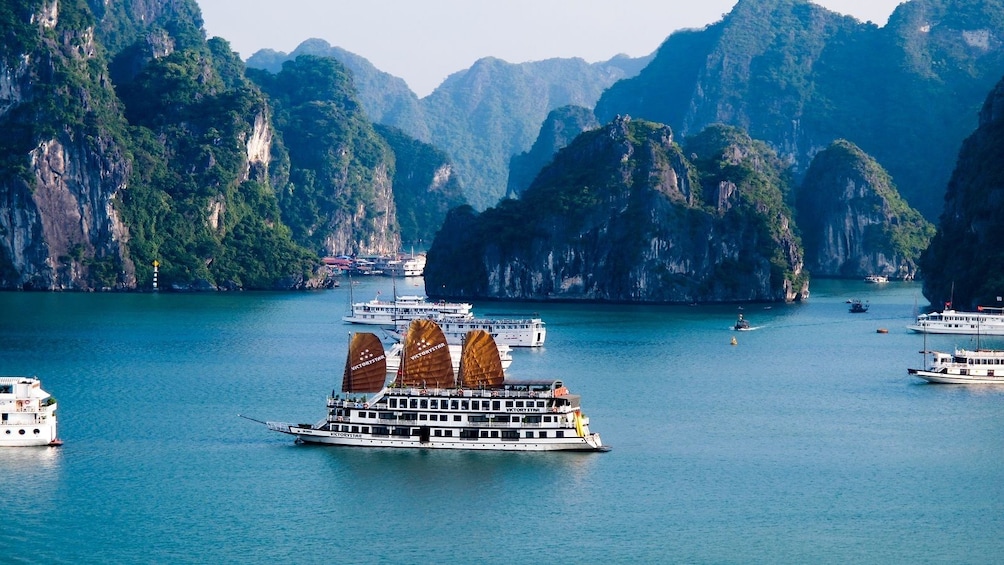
985, 321
964, 366
876, 279
429, 406
27, 413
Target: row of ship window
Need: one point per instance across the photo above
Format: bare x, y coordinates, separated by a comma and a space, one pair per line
464, 433
455, 404
480, 418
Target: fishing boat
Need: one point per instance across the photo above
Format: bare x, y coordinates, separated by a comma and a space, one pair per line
985, 321
27, 413
394, 356
388, 312
858, 307
963, 366
429, 406
513, 332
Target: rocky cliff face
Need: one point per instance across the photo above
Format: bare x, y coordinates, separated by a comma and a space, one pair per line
963, 264
622, 215
854, 223
59, 228
559, 129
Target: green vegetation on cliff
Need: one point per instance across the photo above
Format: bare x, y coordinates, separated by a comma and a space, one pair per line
191, 205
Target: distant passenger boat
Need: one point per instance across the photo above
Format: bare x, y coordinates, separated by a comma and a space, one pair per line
876, 279
389, 312
513, 332
982, 366
985, 321
27, 413
428, 406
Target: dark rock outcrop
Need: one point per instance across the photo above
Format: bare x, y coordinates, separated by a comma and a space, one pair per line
853, 221
965, 262
622, 215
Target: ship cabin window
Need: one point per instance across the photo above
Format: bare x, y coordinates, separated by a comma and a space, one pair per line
423, 417
454, 405
456, 417
386, 415
468, 433
355, 429
496, 405
434, 404
448, 433
393, 403
484, 433
438, 433
366, 429
424, 403
529, 434
381, 431
542, 434
414, 403
532, 419
6, 389
509, 404
560, 433
464, 405
495, 433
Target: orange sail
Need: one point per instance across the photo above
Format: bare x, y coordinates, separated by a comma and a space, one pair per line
425, 359
366, 364
480, 365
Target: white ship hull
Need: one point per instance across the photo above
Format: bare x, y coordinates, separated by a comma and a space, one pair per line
404, 308
957, 379
321, 437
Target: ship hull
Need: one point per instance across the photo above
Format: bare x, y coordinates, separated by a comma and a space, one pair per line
325, 437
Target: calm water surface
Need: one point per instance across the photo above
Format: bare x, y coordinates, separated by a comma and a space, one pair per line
804, 443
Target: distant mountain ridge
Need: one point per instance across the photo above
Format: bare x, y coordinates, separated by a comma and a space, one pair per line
480, 116
799, 76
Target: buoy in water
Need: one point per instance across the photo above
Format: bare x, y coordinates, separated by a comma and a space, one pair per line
734, 342
881, 331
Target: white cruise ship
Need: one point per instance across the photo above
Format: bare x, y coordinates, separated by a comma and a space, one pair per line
27, 413
513, 332
387, 312
981, 366
428, 406
985, 321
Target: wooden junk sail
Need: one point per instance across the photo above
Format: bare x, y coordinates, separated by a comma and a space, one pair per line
366, 364
425, 358
480, 365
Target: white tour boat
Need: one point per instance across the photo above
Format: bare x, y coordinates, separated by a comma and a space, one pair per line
985, 321
522, 332
964, 366
27, 413
387, 312
876, 279
413, 266
429, 406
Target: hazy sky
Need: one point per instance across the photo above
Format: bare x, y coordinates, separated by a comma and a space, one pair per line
423, 41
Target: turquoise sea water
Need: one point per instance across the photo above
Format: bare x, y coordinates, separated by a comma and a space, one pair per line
806, 442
